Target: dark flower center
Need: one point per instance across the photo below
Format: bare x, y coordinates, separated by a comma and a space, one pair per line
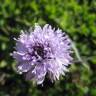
40, 53
39, 50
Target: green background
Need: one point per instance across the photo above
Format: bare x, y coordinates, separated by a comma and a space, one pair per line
77, 18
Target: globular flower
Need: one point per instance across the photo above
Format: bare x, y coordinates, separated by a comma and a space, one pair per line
43, 51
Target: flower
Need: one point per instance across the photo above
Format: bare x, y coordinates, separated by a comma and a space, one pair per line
42, 51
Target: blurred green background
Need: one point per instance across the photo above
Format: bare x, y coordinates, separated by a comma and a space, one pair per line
77, 18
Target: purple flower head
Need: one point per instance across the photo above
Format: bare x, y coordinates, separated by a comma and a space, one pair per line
43, 51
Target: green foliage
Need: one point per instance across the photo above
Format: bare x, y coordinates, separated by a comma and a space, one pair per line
76, 17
